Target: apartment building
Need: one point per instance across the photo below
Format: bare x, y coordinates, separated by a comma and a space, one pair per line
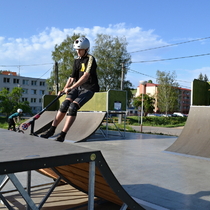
33, 88
151, 89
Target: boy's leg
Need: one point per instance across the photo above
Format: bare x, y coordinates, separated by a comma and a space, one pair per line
82, 98
9, 124
13, 125
70, 118
58, 118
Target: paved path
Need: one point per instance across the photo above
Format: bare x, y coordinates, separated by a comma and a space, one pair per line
159, 130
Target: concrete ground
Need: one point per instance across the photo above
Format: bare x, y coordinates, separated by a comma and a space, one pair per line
157, 179
160, 130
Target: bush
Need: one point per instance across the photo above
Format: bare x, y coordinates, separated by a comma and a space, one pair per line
158, 121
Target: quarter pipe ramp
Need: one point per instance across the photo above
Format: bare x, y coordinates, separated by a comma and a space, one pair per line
85, 124
195, 136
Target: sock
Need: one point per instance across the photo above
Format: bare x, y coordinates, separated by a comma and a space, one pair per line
52, 128
63, 134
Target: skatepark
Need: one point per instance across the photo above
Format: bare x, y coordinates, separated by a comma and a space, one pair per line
136, 171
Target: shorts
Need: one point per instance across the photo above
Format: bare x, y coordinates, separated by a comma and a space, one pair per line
80, 95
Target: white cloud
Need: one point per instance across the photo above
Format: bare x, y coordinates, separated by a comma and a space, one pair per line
37, 48
203, 71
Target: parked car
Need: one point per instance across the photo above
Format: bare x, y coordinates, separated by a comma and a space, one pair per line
166, 115
153, 115
178, 114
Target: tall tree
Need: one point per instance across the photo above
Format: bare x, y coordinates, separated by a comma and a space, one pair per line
200, 77
11, 101
148, 103
205, 78
168, 92
64, 54
112, 58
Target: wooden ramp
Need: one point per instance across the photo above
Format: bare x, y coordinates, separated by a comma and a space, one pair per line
85, 124
195, 137
81, 167
107, 186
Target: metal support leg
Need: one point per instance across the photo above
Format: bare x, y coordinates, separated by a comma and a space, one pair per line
3, 180
124, 206
49, 192
5, 202
21, 190
91, 186
28, 186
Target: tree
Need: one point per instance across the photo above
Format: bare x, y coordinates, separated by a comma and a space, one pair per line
148, 104
64, 54
200, 77
111, 53
149, 81
205, 78
168, 92
127, 87
11, 101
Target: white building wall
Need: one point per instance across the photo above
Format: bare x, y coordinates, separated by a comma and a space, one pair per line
33, 88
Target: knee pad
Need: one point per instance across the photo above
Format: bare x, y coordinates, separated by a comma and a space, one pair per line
73, 109
64, 106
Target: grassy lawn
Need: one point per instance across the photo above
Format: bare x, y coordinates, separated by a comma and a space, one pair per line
168, 122
4, 124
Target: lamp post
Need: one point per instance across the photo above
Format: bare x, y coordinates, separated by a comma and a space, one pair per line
142, 103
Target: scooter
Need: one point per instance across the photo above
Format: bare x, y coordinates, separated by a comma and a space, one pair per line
31, 123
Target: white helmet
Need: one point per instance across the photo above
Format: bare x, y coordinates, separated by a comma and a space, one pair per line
19, 110
81, 43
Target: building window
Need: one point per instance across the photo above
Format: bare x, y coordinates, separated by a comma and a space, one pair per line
25, 91
33, 82
42, 83
33, 100
41, 92
16, 81
24, 99
40, 100
6, 80
33, 92
25, 82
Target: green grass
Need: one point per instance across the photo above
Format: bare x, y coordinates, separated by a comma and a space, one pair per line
120, 127
4, 124
168, 122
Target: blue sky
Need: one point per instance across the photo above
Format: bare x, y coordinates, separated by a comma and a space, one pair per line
31, 28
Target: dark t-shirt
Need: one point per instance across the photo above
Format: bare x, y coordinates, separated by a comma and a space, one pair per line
86, 64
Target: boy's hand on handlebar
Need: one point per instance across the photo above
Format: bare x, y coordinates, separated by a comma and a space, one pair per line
61, 92
67, 90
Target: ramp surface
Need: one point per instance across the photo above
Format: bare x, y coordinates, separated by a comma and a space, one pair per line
86, 124
43, 123
21, 152
195, 136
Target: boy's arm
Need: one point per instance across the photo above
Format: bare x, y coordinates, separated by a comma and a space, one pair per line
69, 83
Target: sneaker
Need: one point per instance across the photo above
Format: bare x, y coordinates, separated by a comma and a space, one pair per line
60, 138
47, 134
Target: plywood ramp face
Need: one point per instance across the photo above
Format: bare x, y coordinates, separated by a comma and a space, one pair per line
78, 176
86, 124
195, 137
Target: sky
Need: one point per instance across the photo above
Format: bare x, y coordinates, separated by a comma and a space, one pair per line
30, 29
